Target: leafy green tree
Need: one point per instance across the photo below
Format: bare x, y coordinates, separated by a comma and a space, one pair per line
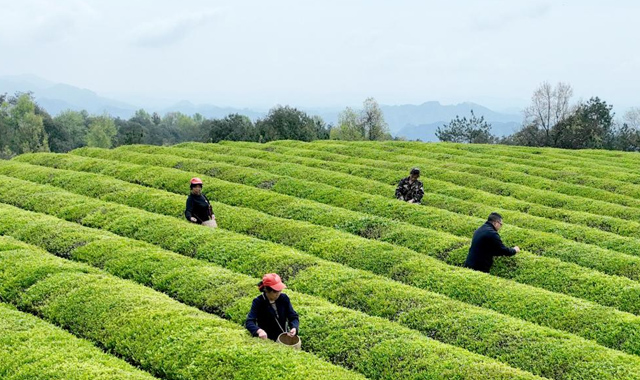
163, 131
528, 135
589, 126
23, 129
73, 127
366, 124
5, 128
156, 119
472, 130
322, 130
233, 127
143, 118
102, 132
129, 132
288, 123
626, 138
57, 136
189, 128
349, 127
30, 135
372, 121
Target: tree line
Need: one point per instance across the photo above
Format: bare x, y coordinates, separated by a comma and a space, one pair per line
551, 120
26, 127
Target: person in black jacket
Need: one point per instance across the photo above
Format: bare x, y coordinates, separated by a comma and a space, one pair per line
198, 208
486, 244
410, 189
271, 310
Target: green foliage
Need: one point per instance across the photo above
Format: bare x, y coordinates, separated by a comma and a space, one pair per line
286, 122
250, 256
129, 132
199, 284
372, 121
158, 334
209, 288
74, 127
233, 127
328, 225
590, 126
348, 127
21, 129
26, 127
33, 349
570, 197
544, 244
367, 124
474, 130
551, 122
101, 133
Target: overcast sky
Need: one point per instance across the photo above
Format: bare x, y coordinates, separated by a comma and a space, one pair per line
327, 53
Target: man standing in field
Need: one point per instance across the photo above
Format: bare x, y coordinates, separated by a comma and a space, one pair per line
410, 189
486, 244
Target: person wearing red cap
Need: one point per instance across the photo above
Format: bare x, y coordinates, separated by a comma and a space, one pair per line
271, 310
199, 209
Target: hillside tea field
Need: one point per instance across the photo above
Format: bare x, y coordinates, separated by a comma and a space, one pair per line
102, 276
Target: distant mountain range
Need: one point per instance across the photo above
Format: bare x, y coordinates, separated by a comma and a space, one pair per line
411, 121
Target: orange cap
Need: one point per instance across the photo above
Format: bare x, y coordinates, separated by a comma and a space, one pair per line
196, 181
273, 281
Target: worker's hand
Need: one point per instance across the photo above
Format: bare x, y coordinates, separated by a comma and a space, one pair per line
262, 334
517, 249
194, 220
293, 332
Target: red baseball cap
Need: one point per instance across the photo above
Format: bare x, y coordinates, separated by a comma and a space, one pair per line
273, 281
196, 181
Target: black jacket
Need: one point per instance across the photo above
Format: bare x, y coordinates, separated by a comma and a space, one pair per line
486, 243
262, 316
199, 207
408, 190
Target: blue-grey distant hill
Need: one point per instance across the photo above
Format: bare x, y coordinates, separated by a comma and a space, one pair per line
57, 97
411, 121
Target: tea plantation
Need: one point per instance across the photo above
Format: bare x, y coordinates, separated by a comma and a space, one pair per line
102, 276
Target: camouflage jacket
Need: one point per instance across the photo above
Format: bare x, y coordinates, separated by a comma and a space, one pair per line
407, 191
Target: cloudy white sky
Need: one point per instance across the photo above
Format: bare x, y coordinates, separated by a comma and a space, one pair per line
327, 53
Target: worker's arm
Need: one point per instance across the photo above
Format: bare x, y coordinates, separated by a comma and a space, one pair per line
399, 193
500, 248
252, 319
419, 194
188, 211
292, 316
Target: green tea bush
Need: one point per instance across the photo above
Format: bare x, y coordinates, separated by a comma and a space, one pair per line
225, 293
160, 335
33, 349
580, 198
324, 242
254, 257
439, 194
546, 244
577, 170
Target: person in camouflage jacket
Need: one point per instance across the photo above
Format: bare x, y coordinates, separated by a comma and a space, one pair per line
410, 189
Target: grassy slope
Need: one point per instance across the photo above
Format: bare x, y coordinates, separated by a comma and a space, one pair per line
578, 207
